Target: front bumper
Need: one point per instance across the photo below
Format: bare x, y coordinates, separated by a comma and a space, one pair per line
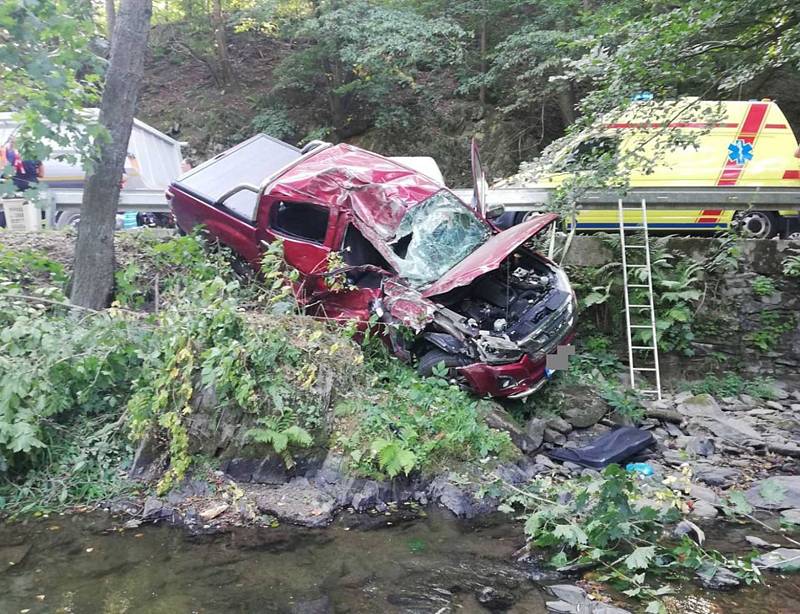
515, 380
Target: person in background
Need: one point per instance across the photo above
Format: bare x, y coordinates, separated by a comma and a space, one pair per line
28, 173
9, 156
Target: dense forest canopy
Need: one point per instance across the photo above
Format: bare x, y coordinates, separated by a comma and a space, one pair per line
405, 76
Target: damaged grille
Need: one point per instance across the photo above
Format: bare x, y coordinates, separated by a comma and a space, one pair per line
550, 331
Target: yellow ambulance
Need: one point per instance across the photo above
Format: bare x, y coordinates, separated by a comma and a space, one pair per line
716, 145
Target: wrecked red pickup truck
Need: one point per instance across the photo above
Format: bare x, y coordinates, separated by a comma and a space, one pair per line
414, 254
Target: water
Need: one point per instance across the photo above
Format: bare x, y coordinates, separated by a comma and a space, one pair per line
436, 564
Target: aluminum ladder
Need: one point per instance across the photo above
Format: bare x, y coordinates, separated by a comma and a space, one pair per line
640, 310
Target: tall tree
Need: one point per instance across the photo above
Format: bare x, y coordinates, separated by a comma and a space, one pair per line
111, 17
221, 42
93, 277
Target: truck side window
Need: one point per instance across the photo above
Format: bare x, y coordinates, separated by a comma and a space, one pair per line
358, 251
300, 220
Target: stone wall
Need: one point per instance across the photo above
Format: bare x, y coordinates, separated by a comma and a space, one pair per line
731, 318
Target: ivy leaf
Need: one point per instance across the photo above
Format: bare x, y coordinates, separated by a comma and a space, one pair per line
559, 560
571, 533
640, 558
655, 607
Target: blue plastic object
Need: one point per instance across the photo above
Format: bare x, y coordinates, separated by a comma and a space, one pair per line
129, 220
640, 468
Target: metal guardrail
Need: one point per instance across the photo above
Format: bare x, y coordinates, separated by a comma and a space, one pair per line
529, 199
129, 200
737, 199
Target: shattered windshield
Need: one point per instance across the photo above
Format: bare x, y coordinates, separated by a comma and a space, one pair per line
435, 236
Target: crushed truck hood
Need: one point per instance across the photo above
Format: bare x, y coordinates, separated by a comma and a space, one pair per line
490, 255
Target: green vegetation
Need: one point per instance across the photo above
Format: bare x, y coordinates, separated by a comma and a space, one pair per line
414, 423
677, 287
763, 286
772, 326
731, 385
64, 385
81, 388
426, 75
617, 524
791, 266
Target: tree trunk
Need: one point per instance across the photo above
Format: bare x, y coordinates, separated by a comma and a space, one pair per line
566, 104
111, 18
221, 43
483, 45
93, 277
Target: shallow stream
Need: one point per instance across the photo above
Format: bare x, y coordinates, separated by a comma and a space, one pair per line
85, 564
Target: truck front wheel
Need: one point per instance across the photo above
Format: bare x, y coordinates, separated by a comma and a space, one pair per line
429, 361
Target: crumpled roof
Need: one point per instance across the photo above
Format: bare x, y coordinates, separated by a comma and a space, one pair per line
378, 191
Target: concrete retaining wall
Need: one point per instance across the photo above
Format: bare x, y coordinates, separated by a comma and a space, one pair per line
731, 315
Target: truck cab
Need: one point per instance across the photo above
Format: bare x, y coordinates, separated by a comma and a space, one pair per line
415, 256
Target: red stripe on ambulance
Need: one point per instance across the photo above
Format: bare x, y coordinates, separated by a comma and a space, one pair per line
747, 133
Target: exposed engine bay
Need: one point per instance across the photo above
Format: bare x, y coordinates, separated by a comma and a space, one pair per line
521, 307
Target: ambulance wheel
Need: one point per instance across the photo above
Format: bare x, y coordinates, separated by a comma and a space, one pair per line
758, 224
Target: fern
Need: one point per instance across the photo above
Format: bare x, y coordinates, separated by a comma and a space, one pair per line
279, 433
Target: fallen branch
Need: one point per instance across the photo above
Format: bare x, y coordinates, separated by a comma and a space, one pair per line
783, 449
667, 415
48, 301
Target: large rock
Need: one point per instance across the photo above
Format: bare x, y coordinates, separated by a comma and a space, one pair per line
270, 470
583, 407
777, 493
574, 600
12, 555
716, 476
534, 429
459, 499
791, 516
699, 406
559, 424
705, 416
298, 502
501, 420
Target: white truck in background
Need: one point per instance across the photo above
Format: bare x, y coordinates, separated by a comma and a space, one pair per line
154, 160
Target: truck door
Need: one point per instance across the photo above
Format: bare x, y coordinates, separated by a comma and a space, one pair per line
306, 230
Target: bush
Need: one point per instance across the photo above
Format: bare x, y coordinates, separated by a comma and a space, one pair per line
414, 424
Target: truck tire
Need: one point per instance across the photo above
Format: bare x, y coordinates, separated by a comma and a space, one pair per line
428, 361
68, 218
758, 224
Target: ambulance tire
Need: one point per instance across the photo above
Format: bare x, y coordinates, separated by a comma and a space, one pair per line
759, 224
